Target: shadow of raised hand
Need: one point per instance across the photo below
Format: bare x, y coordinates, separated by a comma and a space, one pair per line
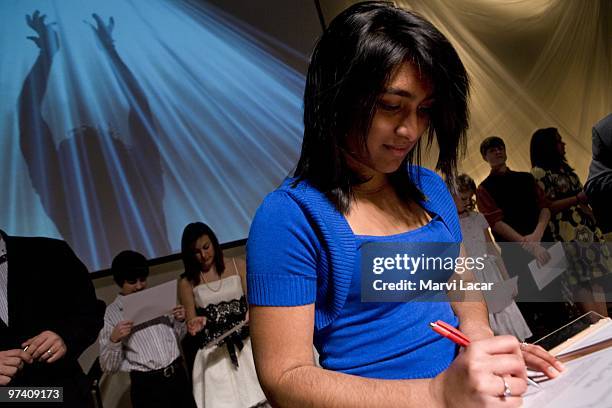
47, 40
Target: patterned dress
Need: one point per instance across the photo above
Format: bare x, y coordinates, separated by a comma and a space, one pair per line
575, 224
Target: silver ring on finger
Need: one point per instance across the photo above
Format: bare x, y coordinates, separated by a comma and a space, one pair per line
49, 352
523, 345
507, 391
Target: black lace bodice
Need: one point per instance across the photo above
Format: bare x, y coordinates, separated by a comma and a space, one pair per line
220, 318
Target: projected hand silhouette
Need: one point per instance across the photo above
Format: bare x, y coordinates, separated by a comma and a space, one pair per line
79, 190
103, 31
47, 40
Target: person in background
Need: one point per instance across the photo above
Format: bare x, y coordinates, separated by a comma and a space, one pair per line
49, 315
518, 212
380, 77
150, 351
572, 220
598, 186
213, 293
478, 243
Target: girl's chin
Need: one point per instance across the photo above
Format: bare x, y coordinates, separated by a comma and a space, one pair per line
370, 169
390, 168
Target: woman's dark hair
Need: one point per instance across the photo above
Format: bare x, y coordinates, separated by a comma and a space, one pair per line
543, 150
191, 234
351, 64
128, 266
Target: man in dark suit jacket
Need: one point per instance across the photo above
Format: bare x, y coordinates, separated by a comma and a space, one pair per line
53, 316
599, 183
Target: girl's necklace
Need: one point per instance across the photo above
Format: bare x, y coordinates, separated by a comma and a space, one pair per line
208, 286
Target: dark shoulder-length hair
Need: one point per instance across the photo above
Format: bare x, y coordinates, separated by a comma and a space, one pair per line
349, 69
543, 150
191, 234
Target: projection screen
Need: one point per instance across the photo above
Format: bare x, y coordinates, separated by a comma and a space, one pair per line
122, 121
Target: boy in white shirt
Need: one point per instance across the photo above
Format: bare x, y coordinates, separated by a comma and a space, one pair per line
150, 351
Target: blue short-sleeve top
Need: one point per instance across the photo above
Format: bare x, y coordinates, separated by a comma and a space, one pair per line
301, 250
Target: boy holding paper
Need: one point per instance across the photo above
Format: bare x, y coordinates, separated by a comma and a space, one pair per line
150, 351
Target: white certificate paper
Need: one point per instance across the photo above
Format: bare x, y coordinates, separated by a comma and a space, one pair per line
150, 303
584, 384
556, 266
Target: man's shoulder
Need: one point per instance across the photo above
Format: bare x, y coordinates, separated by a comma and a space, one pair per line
40, 255
604, 127
37, 241
509, 175
519, 173
489, 181
35, 248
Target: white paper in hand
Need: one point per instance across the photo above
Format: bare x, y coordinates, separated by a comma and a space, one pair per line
556, 266
150, 303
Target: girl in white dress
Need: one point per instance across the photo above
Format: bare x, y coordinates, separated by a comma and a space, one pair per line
215, 304
477, 242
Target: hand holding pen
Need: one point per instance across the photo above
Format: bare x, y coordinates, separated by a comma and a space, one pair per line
453, 334
536, 357
488, 373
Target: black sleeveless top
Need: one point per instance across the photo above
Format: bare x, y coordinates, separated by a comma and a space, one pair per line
515, 193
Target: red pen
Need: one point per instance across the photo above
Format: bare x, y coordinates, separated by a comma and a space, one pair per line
453, 334
446, 330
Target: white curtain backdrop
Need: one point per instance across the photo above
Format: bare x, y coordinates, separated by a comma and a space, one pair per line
533, 64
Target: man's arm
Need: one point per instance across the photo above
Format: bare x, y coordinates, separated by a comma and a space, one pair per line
73, 318
544, 216
538, 232
495, 216
83, 316
507, 232
600, 189
531, 242
602, 142
35, 138
598, 186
